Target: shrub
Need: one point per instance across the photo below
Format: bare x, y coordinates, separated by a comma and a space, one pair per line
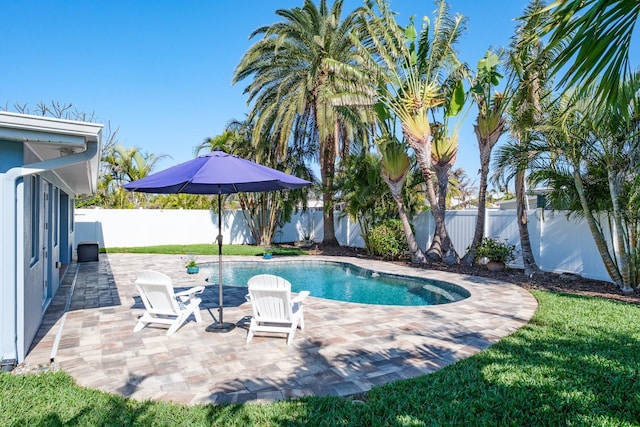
388, 240
496, 250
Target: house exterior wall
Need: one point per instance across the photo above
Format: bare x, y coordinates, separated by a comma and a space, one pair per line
12, 154
41, 274
30, 284
44, 162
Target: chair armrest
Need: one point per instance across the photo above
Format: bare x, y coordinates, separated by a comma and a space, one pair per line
301, 296
248, 297
190, 292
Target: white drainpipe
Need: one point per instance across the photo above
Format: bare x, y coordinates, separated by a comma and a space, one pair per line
9, 351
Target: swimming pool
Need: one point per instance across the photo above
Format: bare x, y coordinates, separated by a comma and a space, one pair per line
342, 282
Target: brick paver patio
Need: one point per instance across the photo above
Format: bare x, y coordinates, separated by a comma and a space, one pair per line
345, 348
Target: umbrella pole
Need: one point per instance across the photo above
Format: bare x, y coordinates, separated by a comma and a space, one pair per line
220, 326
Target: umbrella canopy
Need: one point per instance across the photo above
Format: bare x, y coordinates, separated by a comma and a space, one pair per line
217, 173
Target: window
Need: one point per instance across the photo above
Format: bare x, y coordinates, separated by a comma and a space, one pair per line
55, 220
72, 214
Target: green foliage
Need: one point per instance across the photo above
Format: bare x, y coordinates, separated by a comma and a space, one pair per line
457, 100
306, 81
363, 193
488, 75
388, 240
589, 57
496, 250
190, 260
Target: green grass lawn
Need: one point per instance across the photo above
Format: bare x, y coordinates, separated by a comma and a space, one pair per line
576, 363
206, 249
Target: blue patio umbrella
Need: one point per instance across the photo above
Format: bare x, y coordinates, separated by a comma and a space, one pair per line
217, 173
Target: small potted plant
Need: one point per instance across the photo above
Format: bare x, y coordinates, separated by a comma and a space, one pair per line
497, 252
307, 240
190, 264
268, 252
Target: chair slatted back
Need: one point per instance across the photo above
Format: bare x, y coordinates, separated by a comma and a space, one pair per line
156, 292
270, 298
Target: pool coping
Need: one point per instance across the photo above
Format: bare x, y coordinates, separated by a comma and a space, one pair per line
345, 349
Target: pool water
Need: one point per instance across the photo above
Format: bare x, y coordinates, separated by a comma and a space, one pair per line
341, 282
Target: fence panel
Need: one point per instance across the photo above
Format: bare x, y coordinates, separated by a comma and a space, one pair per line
558, 244
423, 227
461, 226
308, 223
568, 246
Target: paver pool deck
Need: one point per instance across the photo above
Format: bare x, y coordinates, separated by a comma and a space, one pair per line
344, 349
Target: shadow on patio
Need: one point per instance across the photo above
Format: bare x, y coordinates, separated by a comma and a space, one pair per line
345, 349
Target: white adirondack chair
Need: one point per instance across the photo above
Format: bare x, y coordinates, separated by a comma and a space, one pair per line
162, 304
273, 308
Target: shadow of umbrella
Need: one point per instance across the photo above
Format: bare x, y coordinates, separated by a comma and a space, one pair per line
217, 173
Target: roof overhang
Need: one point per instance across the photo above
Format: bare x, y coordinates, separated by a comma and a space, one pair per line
46, 138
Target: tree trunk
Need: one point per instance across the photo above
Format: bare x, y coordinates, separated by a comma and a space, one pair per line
530, 266
328, 167
478, 233
417, 256
598, 237
441, 241
619, 249
441, 248
485, 146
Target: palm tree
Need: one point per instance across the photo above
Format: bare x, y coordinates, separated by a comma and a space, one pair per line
529, 84
395, 165
489, 127
264, 211
444, 151
128, 164
587, 157
595, 37
218, 142
307, 84
363, 195
462, 189
415, 66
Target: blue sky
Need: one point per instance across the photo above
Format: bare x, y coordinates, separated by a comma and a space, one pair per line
161, 71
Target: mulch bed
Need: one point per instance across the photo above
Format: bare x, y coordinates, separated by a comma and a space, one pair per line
563, 282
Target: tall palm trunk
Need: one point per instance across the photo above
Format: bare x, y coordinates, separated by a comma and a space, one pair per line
441, 247
478, 234
598, 237
441, 236
327, 171
417, 256
618, 242
530, 266
485, 146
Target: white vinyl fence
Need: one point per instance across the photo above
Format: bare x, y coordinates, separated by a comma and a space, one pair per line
559, 244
